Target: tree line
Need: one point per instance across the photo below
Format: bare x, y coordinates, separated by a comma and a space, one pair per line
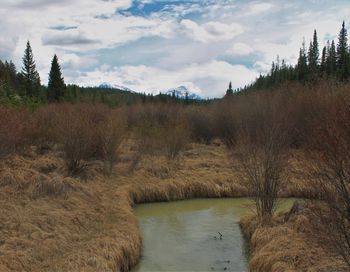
25, 88
332, 63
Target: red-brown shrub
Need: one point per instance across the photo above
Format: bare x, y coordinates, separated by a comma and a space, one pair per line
45, 122
201, 123
77, 128
226, 114
176, 139
160, 129
262, 150
12, 129
110, 133
329, 150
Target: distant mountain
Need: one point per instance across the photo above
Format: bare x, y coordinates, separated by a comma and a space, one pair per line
106, 85
181, 92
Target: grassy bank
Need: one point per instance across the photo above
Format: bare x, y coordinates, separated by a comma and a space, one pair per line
286, 244
53, 222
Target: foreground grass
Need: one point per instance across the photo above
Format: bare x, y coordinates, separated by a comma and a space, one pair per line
52, 222
287, 244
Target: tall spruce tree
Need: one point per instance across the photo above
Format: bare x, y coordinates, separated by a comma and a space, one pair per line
56, 86
313, 55
323, 61
302, 63
342, 56
31, 79
229, 91
331, 60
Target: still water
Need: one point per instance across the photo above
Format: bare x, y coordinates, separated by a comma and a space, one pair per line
194, 235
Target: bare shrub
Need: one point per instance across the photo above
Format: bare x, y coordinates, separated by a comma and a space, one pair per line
330, 154
261, 152
45, 131
155, 113
147, 137
12, 130
77, 135
201, 123
159, 130
176, 139
111, 132
226, 117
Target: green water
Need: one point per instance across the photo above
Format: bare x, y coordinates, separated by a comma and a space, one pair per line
183, 235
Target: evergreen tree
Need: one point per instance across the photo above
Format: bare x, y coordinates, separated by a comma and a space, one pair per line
313, 55
229, 91
323, 61
334, 62
310, 54
331, 59
31, 79
283, 71
70, 94
144, 98
302, 64
342, 56
8, 77
316, 53
186, 96
56, 86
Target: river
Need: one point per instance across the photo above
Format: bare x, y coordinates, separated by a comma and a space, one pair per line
194, 235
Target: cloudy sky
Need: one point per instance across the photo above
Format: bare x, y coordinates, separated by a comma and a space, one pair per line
152, 45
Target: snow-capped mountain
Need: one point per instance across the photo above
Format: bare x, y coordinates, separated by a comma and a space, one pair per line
106, 85
181, 92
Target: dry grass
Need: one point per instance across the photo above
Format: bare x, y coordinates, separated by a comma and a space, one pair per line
50, 222
285, 245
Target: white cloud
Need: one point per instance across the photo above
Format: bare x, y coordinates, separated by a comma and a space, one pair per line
208, 80
7, 43
34, 20
257, 8
211, 31
262, 67
73, 61
240, 49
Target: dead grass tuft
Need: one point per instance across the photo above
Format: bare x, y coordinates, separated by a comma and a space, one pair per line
286, 246
56, 186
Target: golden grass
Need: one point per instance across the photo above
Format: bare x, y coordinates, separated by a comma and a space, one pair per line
284, 245
52, 222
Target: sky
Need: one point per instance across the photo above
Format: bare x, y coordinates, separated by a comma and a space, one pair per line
154, 45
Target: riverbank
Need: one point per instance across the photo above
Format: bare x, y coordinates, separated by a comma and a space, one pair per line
286, 244
53, 222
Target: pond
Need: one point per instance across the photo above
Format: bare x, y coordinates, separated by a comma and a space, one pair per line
194, 235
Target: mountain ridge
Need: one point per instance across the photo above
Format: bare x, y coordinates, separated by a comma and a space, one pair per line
180, 92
